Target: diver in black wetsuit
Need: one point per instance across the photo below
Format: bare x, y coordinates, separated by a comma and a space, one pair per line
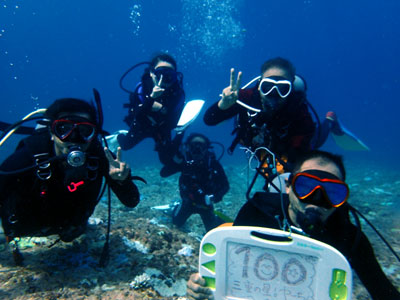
316, 205
201, 183
154, 110
274, 113
59, 193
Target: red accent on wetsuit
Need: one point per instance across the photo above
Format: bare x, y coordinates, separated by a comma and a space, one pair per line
73, 186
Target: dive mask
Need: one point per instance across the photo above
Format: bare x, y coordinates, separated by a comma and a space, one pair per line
319, 188
197, 150
165, 76
281, 85
74, 131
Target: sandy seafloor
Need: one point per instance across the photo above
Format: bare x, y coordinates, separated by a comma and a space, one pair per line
70, 270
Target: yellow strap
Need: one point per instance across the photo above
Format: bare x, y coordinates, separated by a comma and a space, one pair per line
39, 111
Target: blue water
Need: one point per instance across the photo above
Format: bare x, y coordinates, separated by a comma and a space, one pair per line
346, 50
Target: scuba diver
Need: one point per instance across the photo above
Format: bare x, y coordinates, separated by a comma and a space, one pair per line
315, 204
273, 114
202, 182
53, 181
154, 110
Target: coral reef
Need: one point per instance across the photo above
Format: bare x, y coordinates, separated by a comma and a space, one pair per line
152, 259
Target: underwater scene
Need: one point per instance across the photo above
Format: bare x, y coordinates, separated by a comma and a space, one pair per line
345, 51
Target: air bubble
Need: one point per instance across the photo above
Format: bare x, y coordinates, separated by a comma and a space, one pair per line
206, 26
135, 15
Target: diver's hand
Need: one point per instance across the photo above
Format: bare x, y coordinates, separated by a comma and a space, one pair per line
209, 199
230, 93
118, 170
196, 288
157, 89
157, 106
157, 92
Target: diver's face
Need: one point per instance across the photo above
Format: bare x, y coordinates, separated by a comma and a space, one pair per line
297, 209
63, 147
197, 149
273, 101
164, 74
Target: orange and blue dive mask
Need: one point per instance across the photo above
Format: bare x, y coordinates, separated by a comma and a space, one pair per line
74, 131
319, 188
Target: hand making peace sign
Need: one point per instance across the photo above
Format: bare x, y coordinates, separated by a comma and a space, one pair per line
118, 170
230, 93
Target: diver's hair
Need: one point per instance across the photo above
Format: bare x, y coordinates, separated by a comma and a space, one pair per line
324, 157
162, 56
281, 63
195, 135
71, 105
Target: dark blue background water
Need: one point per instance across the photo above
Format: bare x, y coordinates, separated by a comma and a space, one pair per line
348, 51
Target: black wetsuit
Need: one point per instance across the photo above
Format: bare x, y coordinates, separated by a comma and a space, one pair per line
286, 132
195, 182
33, 205
264, 210
144, 123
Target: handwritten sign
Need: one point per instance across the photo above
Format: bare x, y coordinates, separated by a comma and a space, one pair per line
259, 273
256, 263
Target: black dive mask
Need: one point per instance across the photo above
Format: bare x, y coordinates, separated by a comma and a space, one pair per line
167, 75
74, 130
197, 151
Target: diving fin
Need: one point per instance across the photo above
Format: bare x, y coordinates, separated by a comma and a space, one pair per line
112, 141
346, 140
161, 207
167, 208
189, 114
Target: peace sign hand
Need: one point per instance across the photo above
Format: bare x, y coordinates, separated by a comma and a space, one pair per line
157, 89
230, 93
118, 170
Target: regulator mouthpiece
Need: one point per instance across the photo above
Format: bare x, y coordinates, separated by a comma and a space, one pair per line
76, 157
